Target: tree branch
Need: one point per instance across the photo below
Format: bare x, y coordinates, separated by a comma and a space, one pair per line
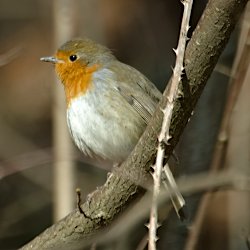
123, 184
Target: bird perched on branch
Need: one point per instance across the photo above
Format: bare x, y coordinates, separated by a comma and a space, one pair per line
109, 103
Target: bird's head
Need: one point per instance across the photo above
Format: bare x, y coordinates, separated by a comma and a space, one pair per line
75, 61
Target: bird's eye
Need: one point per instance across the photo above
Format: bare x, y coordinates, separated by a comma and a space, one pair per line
72, 58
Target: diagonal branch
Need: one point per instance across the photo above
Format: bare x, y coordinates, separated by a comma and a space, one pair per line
122, 185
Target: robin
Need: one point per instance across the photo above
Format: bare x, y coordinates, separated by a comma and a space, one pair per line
109, 103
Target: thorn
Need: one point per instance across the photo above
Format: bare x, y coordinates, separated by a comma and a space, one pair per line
154, 176
162, 109
147, 225
175, 51
168, 99
168, 137
167, 143
159, 225
152, 172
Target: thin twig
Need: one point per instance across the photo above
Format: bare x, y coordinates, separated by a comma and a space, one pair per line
235, 87
63, 171
9, 56
168, 110
241, 63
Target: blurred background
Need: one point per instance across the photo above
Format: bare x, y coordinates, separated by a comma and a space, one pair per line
40, 168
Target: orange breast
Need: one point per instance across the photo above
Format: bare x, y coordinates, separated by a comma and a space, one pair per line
76, 78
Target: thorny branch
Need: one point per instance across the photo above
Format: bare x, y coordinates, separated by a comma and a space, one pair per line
165, 130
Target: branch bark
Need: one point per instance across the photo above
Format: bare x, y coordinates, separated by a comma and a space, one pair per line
123, 185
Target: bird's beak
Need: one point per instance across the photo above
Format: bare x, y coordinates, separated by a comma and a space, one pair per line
51, 59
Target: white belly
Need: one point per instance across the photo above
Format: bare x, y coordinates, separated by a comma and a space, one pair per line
103, 126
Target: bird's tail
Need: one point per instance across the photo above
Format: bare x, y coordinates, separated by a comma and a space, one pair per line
175, 195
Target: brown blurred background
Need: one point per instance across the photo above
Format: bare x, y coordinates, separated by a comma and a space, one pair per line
140, 33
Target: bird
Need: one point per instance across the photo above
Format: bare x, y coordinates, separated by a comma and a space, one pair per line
109, 103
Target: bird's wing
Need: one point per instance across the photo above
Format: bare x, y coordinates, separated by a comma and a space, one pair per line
136, 89
142, 105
